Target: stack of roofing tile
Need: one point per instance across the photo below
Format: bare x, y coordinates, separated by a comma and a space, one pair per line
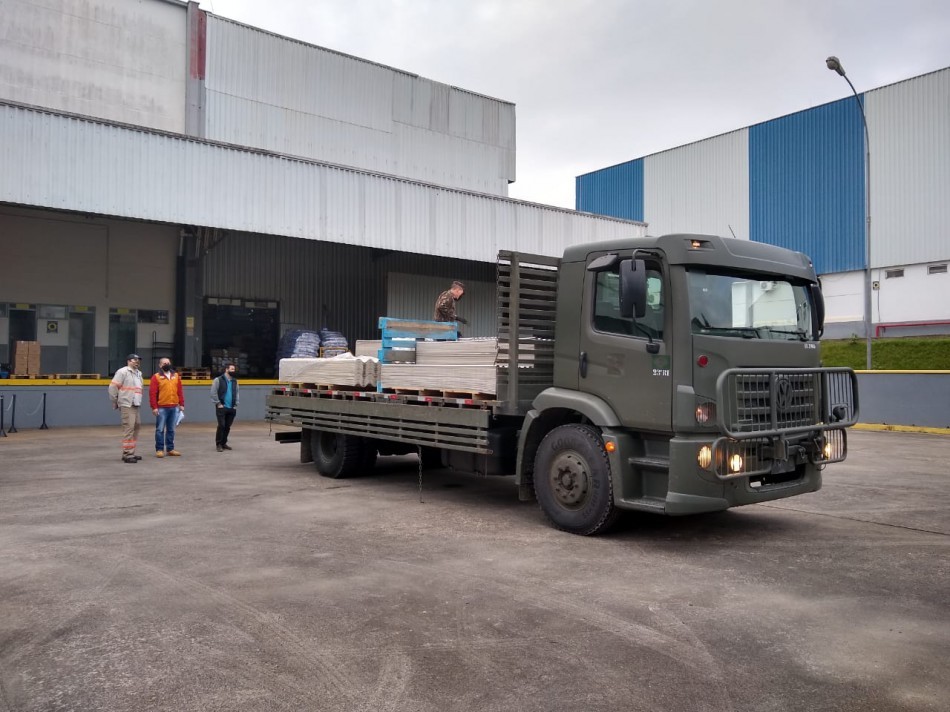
368, 347
466, 365
342, 370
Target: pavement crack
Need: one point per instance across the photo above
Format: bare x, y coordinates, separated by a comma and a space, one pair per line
854, 519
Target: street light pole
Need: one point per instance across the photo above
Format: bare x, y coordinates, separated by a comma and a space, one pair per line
834, 64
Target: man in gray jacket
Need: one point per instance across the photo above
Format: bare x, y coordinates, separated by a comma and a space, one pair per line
125, 392
224, 395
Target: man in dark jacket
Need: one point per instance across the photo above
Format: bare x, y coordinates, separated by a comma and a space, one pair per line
224, 395
445, 305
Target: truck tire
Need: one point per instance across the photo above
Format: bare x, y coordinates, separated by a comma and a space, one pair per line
336, 455
572, 480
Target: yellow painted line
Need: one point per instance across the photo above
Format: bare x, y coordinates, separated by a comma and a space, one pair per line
882, 427
9, 382
921, 373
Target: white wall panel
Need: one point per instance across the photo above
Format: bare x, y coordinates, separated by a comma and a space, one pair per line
69, 163
699, 188
278, 94
909, 128
916, 297
123, 61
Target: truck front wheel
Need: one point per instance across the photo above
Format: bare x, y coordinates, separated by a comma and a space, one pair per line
572, 480
336, 455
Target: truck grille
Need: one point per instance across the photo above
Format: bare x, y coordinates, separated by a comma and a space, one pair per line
758, 402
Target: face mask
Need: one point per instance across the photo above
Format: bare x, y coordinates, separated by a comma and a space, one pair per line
166, 367
231, 373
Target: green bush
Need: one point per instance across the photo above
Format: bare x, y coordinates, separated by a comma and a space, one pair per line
895, 354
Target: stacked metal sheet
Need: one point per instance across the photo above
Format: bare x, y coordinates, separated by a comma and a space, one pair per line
476, 352
443, 378
465, 366
342, 370
368, 347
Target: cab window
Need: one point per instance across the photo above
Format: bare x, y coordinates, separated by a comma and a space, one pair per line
607, 306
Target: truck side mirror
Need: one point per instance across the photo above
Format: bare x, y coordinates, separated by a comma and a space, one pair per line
818, 299
633, 288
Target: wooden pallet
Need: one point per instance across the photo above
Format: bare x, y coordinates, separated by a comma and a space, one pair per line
32, 376
332, 387
453, 394
78, 376
407, 396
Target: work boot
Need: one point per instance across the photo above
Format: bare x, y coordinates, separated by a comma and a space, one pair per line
226, 446
159, 453
220, 449
174, 453
129, 458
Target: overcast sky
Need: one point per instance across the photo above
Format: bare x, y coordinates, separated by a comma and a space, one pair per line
599, 82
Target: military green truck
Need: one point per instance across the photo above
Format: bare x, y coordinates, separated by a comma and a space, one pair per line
675, 375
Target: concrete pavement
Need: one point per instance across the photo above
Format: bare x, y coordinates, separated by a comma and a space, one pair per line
244, 581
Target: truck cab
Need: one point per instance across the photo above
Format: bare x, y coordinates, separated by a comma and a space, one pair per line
686, 379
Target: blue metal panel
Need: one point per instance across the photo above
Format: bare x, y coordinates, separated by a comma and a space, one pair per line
616, 191
806, 185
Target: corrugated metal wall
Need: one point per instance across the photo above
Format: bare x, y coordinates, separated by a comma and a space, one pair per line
321, 284
412, 296
806, 180
806, 185
616, 191
279, 94
701, 188
121, 61
909, 125
69, 163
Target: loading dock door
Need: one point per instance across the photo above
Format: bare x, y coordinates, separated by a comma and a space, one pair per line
248, 328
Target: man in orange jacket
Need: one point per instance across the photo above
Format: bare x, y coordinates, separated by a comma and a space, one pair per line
167, 398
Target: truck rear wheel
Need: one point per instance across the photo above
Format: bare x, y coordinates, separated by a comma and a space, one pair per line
336, 455
572, 480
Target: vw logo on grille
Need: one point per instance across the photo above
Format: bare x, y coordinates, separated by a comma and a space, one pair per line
783, 394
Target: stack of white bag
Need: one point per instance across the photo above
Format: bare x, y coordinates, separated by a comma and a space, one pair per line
343, 370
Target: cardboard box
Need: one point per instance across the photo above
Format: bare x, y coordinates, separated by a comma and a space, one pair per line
26, 358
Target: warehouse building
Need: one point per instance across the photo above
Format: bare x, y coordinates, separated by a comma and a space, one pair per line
176, 183
799, 182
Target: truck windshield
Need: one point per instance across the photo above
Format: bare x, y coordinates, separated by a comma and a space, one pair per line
749, 306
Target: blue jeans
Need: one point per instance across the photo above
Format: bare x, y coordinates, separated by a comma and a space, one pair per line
165, 428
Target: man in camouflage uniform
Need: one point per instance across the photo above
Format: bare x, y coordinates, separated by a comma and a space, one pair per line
446, 303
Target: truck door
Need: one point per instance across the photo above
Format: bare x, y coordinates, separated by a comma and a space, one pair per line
625, 361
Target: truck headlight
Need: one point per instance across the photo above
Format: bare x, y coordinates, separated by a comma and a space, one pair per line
735, 463
830, 446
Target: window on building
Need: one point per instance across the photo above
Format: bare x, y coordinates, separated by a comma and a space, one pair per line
893, 273
937, 269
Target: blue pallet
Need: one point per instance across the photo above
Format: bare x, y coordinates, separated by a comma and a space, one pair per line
397, 334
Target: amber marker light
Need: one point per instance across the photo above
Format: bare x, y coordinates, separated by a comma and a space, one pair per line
610, 446
705, 457
705, 412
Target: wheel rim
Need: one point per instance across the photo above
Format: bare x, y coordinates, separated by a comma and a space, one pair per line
570, 480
